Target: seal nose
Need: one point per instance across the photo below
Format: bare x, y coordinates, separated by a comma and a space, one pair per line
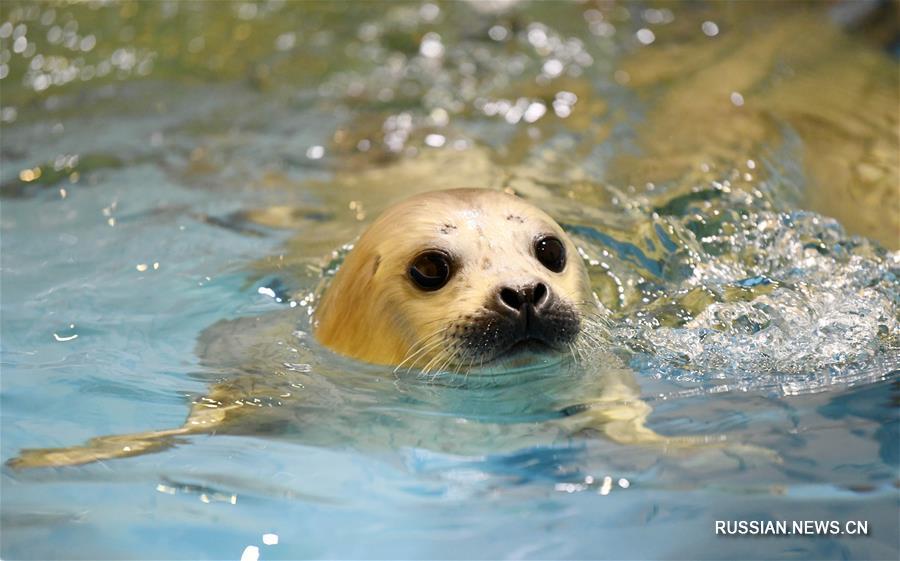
517, 299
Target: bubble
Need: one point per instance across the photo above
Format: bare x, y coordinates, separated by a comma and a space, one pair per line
568, 98
439, 116
431, 46
645, 36
537, 36
54, 35
653, 16
48, 17
429, 12
87, 43
286, 41
535, 111
498, 33
603, 29
435, 140
41, 82
553, 68
709, 28
561, 109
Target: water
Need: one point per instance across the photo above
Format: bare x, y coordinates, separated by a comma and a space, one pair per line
170, 172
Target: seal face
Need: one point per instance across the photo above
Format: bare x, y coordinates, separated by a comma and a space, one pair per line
457, 279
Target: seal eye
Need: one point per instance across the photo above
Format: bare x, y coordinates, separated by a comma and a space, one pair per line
551, 252
430, 270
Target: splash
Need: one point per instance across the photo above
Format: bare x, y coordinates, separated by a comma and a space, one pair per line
734, 294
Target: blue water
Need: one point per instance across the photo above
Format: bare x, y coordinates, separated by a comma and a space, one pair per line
740, 313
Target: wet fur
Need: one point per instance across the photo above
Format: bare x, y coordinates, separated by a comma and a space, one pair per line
371, 311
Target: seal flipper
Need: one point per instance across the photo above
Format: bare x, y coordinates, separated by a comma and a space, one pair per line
624, 423
98, 449
202, 419
617, 413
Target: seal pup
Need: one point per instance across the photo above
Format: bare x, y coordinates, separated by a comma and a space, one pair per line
457, 279
450, 280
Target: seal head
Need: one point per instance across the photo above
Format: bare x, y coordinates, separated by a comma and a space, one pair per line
456, 278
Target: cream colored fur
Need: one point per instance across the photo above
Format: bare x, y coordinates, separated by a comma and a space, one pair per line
373, 312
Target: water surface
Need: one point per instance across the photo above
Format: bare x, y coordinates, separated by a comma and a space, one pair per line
172, 171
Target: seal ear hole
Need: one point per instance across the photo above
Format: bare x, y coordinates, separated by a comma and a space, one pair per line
430, 270
551, 252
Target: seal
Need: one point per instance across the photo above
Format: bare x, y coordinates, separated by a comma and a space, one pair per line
466, 280
457, 279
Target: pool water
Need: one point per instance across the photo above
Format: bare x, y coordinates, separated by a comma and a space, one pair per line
179, 179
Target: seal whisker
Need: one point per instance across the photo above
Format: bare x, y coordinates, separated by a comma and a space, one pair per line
437, 371
590, 337
426, 369
423, 344
459, 365
440, 369
579, 346
435, 360
572, 351
427, 323
468, 369
593, 313
596, 322
420, 346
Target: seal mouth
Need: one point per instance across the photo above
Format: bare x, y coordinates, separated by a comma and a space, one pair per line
492, 336
527, 345
523, 351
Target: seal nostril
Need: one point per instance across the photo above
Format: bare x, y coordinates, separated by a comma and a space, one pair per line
539, 294
511, 298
